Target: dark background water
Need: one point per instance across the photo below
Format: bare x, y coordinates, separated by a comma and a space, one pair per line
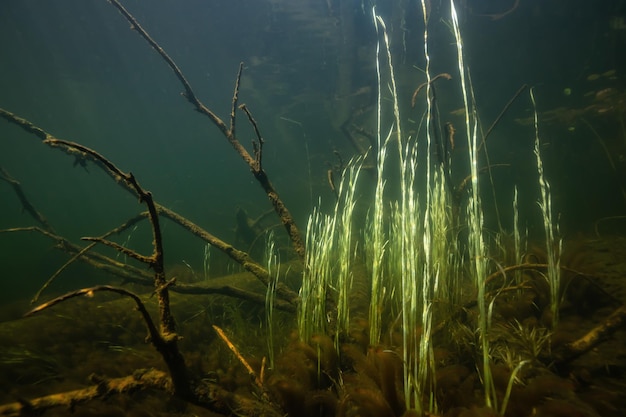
74, 68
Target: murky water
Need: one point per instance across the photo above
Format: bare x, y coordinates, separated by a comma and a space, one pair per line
321, 91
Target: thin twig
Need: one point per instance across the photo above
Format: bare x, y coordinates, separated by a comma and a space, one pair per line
596, 225
502, 113
421, 86
188, 94
24, 124
152, 330
105, 263
467, 179
121, 249
82, 252
233, 110
231, 291
54, 276
260, 175
502, 273
241, 257
167, 345
96, 260
238, 355
258, 146
28, 207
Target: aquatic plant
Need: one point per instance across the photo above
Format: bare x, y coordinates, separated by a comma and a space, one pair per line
273, 269
344, 213
422, 241
327, 279
206, 261
376, 240
519, 241
554, 244
477, 250
318, 272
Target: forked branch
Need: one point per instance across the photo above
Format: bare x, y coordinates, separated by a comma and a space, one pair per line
153, 332
228, 131
84, 154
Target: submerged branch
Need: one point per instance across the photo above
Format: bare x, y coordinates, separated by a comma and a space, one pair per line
155, 336
239, 356
82, 252
232, 292
128, 182
167, 342
502, 113
26, 204
596, 335
121, 249
207, 395
241, 257
96, 260
228, 132
421, 86
139, 380
467, 180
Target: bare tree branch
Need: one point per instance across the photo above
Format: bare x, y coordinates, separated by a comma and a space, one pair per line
229, 133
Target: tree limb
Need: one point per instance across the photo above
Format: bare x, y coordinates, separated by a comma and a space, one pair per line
592, 338
17, 188
139, 380
124, 180
208, 395
228, 132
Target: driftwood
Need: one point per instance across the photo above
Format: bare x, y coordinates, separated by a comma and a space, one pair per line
209, 395
255, 163
164, 337
592, 338
162, 334
28, 207
574, 349
141, 379
84, 154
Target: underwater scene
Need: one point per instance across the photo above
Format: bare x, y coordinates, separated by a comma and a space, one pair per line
313, 208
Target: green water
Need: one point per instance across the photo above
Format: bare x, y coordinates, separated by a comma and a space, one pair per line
76, 70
